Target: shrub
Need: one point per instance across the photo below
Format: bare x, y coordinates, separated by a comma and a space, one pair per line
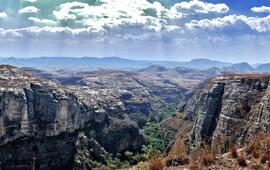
234, 152
208, 156
177, 160
265, 158
256, 154
115, 163
156, 164
242, 161
141, 166
255, 165
195, 166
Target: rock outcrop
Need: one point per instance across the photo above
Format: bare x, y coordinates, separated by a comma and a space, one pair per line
40, 121
230, 110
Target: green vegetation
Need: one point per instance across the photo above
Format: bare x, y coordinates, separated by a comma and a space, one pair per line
155, 145
154, 137
115, 162
168, 111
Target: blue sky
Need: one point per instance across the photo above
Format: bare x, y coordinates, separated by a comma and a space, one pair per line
227, 30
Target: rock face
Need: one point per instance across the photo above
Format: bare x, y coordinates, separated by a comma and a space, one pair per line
40, 120
230, 109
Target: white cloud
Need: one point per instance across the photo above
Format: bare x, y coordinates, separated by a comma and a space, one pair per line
42, 21
259, 24
197, 6
3, 14
115, 13
28, 9
213, 23
254, 23
48, 32
261, 9
30, 0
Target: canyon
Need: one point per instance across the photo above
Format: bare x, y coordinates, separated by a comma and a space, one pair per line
80, 120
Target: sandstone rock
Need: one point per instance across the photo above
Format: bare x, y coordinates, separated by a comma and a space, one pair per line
230, 110
40, 120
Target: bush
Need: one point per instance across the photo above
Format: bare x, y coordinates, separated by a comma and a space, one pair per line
141, 166
115, 163
242, 161
177, 160
234, 152
208, 156
255, 165
265, 158
156, 164
256, 154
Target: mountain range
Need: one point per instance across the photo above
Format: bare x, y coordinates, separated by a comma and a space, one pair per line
94, 63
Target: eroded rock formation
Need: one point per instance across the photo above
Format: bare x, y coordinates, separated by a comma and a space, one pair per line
40, 121
230, 110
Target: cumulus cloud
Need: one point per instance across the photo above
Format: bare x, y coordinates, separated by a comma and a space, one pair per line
42, 21
28, 9
196, 6
3, 14
143, 14
112, 13
254, 23
261, 9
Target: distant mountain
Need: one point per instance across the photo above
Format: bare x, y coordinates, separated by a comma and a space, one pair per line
93, 63
154, 69
205, 64
239, 68
263, 67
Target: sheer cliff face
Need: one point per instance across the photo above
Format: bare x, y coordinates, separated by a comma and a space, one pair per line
230, 109
39, 121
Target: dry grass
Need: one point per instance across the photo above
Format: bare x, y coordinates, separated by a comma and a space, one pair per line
156, 163
178, 154
254, 155
208, 156
259, 146
179, 148
203, 157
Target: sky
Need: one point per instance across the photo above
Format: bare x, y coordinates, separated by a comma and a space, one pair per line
225, 30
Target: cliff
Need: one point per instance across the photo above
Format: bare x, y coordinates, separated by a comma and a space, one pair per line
40, 121
230, 110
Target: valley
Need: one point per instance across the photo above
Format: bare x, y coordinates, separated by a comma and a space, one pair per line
115, 119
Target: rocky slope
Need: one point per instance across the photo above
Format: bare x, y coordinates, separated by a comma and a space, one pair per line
230, 110
40, 121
